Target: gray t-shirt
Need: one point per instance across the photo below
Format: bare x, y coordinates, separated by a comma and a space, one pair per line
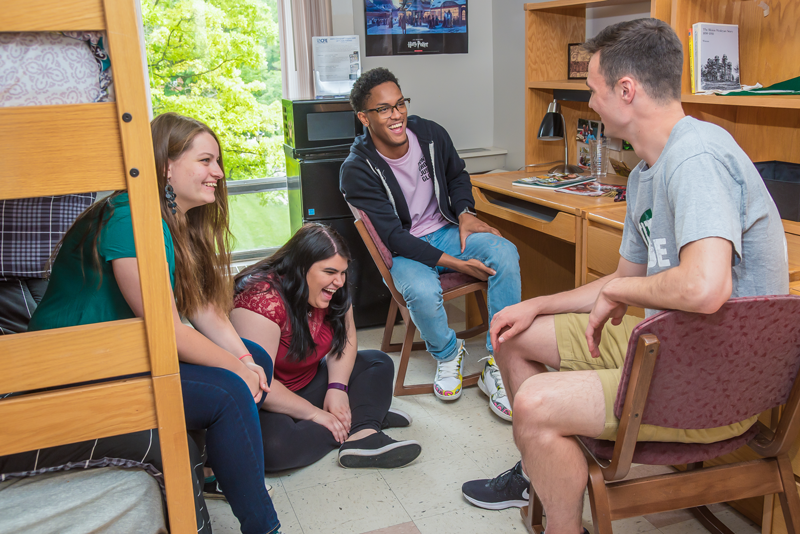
704, 185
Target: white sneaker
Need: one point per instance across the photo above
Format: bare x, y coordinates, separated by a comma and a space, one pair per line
491, 383
447, 382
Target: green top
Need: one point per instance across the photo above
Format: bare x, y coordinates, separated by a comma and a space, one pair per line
77, 293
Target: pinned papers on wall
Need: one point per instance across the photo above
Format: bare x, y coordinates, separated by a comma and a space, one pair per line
337, 65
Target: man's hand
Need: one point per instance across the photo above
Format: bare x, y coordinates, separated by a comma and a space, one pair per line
469, 224
510, 321
337, 403
476, 269
604, 309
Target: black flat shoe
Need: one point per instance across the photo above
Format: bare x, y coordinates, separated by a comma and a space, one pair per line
378, 451
395, 419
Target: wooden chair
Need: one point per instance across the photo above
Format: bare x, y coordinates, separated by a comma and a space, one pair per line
63, 149
454, 285
686, 370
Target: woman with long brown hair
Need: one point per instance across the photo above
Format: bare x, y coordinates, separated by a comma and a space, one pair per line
95, 279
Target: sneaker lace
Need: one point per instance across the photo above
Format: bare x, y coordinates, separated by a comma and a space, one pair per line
449, 369
501, 481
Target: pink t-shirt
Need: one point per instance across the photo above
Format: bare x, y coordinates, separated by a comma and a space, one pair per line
416, 183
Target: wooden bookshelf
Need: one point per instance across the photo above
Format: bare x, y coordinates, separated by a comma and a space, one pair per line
766, 127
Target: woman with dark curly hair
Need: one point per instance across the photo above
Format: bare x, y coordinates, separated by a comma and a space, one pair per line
326, 394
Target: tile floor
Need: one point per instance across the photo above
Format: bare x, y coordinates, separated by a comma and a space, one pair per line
461, 441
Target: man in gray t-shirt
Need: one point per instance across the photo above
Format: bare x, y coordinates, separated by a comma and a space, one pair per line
703, 185
700, 228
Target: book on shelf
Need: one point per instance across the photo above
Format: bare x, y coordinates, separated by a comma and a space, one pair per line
714, 57
691, 60
553, 180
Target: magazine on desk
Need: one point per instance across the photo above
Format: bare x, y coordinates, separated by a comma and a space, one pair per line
553, 180
593, 189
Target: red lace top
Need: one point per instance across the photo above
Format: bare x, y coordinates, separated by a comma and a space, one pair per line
265, 300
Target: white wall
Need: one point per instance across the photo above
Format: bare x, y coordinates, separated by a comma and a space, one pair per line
508, 43
455, 90
478, 97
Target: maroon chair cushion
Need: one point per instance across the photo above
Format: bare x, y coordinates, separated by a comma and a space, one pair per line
384, 252
452, 280
660, 453
715, 370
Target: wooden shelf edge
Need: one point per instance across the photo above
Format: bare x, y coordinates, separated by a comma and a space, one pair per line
571, 85
766, 101
555, 4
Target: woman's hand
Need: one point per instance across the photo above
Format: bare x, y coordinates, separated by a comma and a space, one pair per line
338, 403
262, 376
329, 421
253, 381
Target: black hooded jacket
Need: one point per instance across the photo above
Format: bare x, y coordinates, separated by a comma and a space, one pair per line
368, 183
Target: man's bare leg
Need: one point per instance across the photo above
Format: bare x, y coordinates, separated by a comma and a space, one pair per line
527, 353
549, 409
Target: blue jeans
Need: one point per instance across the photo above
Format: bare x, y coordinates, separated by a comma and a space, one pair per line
219, 401
422, 291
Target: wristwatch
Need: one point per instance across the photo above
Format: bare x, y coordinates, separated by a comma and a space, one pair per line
337, 385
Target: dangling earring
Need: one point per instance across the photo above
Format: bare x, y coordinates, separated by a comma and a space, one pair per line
169, 193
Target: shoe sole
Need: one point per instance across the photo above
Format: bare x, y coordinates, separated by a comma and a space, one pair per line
495, 505
394, 455
451, 397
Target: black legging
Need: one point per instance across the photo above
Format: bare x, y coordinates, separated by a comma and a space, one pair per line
291, 443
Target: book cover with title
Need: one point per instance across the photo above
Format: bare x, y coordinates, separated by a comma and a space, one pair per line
716, 56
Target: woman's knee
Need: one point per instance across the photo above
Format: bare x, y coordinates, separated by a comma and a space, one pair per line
379, 362
260, 356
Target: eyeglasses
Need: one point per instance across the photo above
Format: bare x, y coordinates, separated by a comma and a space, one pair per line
386, 111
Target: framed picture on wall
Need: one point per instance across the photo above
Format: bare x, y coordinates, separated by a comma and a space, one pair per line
408, 27
577, 62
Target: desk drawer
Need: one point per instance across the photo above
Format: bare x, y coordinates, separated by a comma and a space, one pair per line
602, 249
543, 219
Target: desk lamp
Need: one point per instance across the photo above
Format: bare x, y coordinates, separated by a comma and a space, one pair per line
553, 129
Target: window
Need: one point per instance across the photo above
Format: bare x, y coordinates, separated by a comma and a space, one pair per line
219, 61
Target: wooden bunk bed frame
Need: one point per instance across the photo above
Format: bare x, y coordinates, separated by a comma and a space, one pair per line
57, 150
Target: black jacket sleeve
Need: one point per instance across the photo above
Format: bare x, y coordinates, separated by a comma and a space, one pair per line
367, 193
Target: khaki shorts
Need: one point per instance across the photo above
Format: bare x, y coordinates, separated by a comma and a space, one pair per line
575, 356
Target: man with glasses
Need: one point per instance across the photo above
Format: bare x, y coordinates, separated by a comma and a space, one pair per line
405, 174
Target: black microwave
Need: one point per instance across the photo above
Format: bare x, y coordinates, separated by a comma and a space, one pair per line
312, 126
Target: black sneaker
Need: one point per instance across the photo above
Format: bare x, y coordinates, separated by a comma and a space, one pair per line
506, 490
378, 451
395, 419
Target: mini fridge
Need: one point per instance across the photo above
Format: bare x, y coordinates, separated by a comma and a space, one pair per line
318, 135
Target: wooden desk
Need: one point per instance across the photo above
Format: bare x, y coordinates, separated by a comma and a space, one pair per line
546, 227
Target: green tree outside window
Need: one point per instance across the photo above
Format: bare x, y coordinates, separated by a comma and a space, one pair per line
219, 61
